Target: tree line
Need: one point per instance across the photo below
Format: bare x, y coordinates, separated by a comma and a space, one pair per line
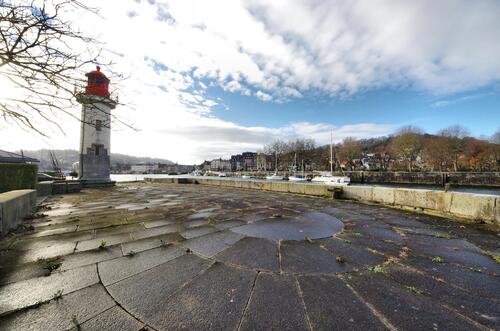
409, 149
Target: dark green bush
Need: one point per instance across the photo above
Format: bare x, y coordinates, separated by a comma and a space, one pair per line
17, 176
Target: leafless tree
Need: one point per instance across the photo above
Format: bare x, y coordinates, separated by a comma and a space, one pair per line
43, 58
455, 135
350, 149
408, 144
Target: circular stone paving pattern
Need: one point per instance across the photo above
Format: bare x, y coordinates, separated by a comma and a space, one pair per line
310, 225
230, 271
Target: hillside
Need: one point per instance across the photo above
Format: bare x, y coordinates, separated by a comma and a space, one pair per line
67, 157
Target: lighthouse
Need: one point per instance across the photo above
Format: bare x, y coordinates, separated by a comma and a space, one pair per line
95, 132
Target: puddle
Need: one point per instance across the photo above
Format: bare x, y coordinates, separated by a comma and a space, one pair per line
312, 225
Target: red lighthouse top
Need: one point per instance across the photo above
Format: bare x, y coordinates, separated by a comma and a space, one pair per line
97, 83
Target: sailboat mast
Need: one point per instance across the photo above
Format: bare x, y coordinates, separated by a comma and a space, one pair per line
331, 152
276, 163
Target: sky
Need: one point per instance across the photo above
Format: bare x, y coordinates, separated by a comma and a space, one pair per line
207, 79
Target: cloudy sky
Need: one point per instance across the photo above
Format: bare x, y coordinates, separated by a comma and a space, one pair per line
210, 78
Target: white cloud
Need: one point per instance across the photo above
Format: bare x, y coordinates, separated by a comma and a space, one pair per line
263, 96
174, 51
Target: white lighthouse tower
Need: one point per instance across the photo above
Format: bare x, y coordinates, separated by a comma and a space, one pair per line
95, 134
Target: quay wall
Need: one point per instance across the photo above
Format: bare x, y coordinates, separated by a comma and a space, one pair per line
474, 207
14, 207
490, 179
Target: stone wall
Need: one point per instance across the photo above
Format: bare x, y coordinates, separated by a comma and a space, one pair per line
491, 179
477, 207
14, 206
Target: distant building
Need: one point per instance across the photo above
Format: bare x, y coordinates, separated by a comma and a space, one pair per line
205, 166
175, 168
249, 161
220, 165
144, 168
236, 162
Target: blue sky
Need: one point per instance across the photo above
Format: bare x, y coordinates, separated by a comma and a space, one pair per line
477, 110
207, 79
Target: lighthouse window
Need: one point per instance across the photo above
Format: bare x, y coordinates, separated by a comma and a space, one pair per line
98, 125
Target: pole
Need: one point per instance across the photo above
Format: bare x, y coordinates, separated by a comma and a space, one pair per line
331, 153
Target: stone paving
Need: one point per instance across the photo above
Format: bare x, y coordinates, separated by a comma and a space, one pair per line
191, 257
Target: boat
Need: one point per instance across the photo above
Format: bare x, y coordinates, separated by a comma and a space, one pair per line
332, 180
222, 174
329, 178
275, 176
246, 177
295, 177
197, 173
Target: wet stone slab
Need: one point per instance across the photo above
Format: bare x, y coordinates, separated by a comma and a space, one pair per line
114, 270
484, 310
275, 304
150, 243
59, 314
144, 295
213, 301
309, 258
212, 243
112, 319
403, 308
29, 292
196, 232
252, 253
346, 311
356, 255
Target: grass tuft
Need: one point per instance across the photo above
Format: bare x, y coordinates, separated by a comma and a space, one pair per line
437, 259
52, 265
377, 270
414, 290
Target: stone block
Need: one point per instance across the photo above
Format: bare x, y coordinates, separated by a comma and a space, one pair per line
296, 188
279, 186
475, 206
59, 188
14, 206
267, 186
317, 190
43, 189
383, 195
73, 187
358, 193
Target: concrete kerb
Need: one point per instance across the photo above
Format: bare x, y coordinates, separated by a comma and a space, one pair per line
14, 207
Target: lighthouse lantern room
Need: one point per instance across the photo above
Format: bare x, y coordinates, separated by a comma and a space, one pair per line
95, 133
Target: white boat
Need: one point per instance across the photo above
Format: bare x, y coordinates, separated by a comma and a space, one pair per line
295, 177
197, 173
246, 177
330, 179
275, 176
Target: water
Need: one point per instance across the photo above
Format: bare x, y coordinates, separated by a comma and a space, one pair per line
476, 190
